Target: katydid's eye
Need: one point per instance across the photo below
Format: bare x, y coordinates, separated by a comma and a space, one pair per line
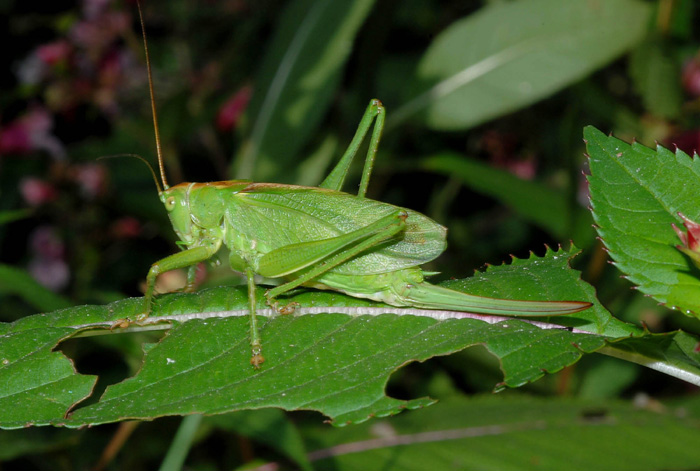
170, 203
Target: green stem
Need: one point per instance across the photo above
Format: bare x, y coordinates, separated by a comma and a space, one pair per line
180, 447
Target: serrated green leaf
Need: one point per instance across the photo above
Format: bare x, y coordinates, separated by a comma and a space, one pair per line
636, 193
335, 363
511, 54
37, 385
549, 277
296, 83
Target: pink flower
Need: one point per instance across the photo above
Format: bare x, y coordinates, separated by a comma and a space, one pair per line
37, 66
523, 169
691, 77
690, 239
54, 274
126, 228
502, 149
91, 178
48, 265
98, 32
30, 132
231, 111
110, 77
46, 243
55, 52
687, 141
14, 139
94, 8
37, 192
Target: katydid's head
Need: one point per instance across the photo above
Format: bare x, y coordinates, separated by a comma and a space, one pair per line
176, 202
195, 208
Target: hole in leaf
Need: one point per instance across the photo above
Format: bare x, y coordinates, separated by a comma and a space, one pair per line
112, 358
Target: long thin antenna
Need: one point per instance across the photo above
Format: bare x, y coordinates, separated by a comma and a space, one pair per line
153, 100
136, 156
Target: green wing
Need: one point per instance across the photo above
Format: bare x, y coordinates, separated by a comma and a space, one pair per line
277, 215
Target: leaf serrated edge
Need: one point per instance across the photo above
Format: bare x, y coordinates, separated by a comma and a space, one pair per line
637, 147
570, 253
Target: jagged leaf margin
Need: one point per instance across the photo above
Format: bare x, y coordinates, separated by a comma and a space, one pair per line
636, 194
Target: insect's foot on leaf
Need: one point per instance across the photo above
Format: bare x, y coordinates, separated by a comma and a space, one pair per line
121, 324
257, 359
127, 321
287, 309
